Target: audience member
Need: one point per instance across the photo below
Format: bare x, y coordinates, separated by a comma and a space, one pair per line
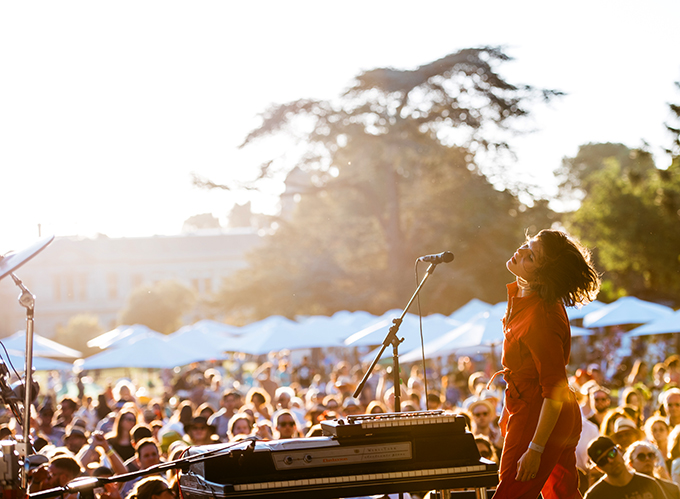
645, 458
674, 453
120, 438
639, 373
230, 403
90, 455
376, 407
152, 488
600, 401
625, 433
595, 373
486, 448
147, 454
241, 424
199, 432
671, 405
75, 436
285, 425
618, 479
58, 472
484, 422
259, 400
109, 490
656, 430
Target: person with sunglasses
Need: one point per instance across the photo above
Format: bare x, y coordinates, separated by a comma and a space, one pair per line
285, 424
541, 419
484, 422
618, 480
644, 458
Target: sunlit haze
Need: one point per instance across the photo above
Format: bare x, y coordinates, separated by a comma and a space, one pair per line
106, 108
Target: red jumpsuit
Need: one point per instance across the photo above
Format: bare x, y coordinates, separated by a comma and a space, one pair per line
535, 352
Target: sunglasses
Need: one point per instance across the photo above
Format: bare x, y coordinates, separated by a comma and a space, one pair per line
609, 456
643, 456
286, 423
480, 414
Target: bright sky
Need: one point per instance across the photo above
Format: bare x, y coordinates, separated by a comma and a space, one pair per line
107, 107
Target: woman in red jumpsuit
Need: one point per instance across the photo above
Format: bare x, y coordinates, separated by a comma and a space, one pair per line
541, 419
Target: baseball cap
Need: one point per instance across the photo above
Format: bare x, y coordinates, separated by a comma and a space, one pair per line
599, 447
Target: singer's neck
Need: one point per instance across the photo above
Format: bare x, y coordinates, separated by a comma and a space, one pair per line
524, 288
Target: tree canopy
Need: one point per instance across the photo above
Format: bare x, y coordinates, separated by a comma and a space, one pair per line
630, 215
159, 306
576, 175
78, 331
394, 175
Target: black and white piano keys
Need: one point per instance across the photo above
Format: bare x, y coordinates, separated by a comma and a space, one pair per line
359, 456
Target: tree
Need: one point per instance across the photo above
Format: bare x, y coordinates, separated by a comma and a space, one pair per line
631, 217
576, 175
78, 331
159, 306
390, 183
674, 129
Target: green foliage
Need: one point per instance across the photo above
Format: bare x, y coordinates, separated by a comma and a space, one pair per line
78, 331
159, 306
632, 219
577, 174
389, 186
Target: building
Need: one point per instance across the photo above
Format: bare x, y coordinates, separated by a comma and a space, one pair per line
95, 276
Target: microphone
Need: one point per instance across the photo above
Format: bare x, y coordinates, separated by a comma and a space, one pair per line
444, 257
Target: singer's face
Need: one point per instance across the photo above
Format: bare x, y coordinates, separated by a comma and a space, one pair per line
525, 260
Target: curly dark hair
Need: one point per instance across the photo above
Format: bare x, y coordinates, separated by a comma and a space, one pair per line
565, 272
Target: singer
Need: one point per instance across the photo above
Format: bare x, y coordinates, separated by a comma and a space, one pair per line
541, 420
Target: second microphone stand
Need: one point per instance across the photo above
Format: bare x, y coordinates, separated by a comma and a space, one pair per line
392, 339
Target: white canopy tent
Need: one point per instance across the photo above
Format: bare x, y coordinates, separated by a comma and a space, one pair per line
17, 359
273, 334
323, 331
469, 310
356, 319
575, 313
122, 335
480, 334
42, 347
664, 325
434, 326
625, 311
150, 351
374, 332
578, 332
212, 327
205, 338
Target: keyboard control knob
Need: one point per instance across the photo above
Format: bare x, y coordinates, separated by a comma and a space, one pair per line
307, 458
288, 460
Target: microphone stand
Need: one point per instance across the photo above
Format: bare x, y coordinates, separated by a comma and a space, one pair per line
392, 339
26, 300
84, 486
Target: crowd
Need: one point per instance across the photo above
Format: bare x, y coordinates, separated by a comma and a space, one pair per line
630, 427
